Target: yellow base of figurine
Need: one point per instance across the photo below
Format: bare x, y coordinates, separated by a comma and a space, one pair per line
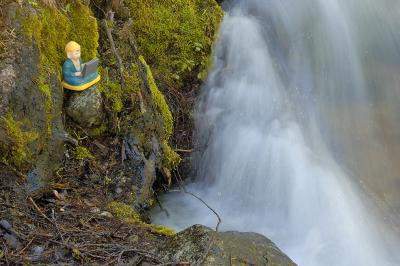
80, 87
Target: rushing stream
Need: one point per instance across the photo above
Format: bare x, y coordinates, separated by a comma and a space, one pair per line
298, 130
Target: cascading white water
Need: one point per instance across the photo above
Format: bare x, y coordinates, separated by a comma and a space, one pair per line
297, 121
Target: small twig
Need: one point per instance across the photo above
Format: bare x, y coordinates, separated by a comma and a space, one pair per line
180, 183
39, 210
182, 186
48, 219
116, 230
184, 151
27, 245
56, 225
159, 204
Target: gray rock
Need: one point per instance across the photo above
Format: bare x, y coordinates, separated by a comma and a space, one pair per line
229, 248
12, 241
143, 166
86, 107
36, 253
5, 224
118, 190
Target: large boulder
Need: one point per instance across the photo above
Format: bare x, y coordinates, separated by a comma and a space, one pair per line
228, 248
86, 107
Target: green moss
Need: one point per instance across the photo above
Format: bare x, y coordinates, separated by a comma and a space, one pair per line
127, 214
132, 80
52, 29
97, 131
160, 102
15, 150
114, 92
160, 229
171, 158
84, 29
175, 36
118, 98
123, 211
82, 153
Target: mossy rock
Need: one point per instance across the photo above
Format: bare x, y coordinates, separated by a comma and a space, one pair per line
228, 248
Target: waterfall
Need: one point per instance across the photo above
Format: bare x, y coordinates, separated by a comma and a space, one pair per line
297, 130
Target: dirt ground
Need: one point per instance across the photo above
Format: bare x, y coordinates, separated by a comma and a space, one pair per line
69, 225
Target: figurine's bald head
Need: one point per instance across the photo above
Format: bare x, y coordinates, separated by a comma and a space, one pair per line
73, 50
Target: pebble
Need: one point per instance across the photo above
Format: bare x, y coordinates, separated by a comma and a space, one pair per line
106, 214
94, 210
36, 253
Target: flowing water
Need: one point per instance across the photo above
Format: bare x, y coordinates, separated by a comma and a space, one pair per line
297, 130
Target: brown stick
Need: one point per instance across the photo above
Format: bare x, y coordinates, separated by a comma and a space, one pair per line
27, 245
110, 16
48, 219
39, 210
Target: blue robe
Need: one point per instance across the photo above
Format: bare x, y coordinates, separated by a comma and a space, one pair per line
69, 70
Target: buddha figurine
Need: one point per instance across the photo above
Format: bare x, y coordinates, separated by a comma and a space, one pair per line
73, 78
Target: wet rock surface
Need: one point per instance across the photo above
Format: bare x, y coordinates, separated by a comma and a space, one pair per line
229, 248
141, 167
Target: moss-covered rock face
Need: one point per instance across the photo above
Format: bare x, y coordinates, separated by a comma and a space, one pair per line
161, 44
16, 141
32, 95
176, 36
